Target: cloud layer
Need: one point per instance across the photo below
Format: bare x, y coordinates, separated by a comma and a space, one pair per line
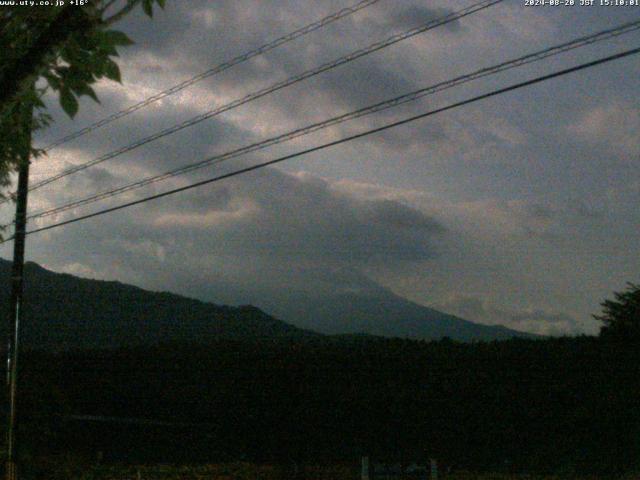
519, 210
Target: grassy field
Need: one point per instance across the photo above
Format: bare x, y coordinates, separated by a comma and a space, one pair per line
235, 471
248, 471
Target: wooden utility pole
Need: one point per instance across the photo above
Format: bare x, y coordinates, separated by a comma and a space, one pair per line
364, 475
15, 300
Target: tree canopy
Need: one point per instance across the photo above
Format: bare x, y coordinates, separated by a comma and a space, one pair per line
71, 47
621, 317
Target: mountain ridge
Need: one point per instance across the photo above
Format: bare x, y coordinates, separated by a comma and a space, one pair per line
381, 312
86, 313
64, 311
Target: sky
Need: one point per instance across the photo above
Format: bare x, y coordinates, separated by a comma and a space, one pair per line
518, 210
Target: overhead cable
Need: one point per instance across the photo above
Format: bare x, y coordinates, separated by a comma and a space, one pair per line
378, 107
273, 88
350, 138
215, 70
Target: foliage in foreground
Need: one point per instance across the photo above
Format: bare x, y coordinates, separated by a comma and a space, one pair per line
621, 317
70, 48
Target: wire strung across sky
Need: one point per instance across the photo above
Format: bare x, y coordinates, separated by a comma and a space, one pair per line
324, 146
275, 87
215, 70
380, 106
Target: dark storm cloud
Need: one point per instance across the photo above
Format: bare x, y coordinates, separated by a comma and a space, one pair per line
193, 142
219, 134
535, 188
395, 215
291, 227
275, 214
365, 81
417, 14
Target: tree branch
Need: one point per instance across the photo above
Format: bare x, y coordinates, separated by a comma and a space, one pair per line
123, 11
68, 22
107, 6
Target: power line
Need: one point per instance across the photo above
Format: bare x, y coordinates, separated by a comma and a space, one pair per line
241, 171
215, 70
412, 96
275, 87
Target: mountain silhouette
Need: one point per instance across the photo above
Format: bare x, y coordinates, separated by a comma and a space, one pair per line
376, 310
63, 311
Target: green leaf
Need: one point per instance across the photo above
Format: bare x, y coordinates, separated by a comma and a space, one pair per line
90, 92
112, 71
161, 3
75, 78
116, 37
147, 7
52, 80
68, 102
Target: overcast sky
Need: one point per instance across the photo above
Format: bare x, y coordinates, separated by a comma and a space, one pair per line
520, 209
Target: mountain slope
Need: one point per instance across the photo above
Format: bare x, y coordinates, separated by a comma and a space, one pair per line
64, 311
380, 312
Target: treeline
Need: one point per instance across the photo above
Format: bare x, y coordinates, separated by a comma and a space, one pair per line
520, 405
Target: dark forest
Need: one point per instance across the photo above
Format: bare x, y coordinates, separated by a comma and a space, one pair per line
556, 405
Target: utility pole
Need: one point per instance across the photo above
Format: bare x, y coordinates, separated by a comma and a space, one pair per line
15, 300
